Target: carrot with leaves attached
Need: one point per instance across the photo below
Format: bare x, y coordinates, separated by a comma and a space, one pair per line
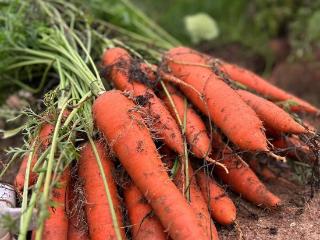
98, 210
129, 138
224, 106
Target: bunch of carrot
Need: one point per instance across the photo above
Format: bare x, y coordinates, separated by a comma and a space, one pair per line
189, 102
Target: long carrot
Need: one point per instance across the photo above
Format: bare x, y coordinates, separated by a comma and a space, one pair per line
263, 87
124, 129
224, 106
42, 142
197, 203
272, 115
98, 211
144, 225
124, 73
222, 208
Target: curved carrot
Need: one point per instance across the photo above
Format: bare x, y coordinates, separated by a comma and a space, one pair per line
145, 225
97, 208
272, 115
197, 203
124, 75
222, 208
224, 106
263, 87
42, 142
124, 129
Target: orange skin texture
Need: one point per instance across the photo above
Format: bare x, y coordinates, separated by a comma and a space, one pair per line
263, 87
124, 129
42, 143
196, 131
56, 226
97, 208
224, 106
197, 203
222, 208
270, 114
163, 122
145, 225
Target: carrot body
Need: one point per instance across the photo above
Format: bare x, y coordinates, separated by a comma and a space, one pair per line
130, 140
196, 131
260, 85
42, 143
97, 209
56, 226
224, 106
197, 203
222, 208
272, 115
145, 226
125, 79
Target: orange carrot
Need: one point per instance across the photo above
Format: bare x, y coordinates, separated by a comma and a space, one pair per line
224, 106
197, 203
129, 138
263, 87
145, 225
222, 208
42, 142
124, 75
272, 115
98, 211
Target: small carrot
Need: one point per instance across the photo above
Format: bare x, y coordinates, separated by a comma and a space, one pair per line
129, 138
145, 225
120, 65
270, 114
222, 208
219, 101
98, 211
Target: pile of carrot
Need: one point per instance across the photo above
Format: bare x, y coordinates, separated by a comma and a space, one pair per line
176, 130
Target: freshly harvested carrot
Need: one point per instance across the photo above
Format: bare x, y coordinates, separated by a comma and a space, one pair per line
42, 142
263, 87
129, 138
97, 209
222, 208
144, 224
224, 106
270, 114
197, 202
56, 226
122, 74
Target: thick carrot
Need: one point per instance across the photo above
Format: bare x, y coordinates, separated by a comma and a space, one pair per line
144, 224
56, 226
42, 142
224, 106
124, 73
197, 202
270, 114
196, 131
263, 87
98, 211
124, 129
222, 208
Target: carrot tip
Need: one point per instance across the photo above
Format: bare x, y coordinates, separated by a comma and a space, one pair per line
277, 157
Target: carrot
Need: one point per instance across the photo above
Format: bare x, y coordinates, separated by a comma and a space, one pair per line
56, 226
97, 209
222, 208
197, 203
130, 140
272, 115
224, 106
144, 224
42, 142
263, 87
123, 74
